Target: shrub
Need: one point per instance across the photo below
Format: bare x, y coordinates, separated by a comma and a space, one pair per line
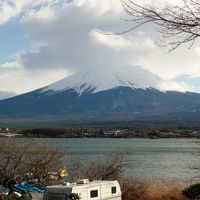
133, 189
110, 167
146, 189
192, 192
20, 162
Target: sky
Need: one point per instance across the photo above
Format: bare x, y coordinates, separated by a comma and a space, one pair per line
46, 40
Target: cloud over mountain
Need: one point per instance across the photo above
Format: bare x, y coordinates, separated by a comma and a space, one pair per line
63, 38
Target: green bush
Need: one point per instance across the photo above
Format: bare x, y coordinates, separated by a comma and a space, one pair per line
192, 192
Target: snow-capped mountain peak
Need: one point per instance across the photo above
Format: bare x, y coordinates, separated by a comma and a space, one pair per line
101, 92
101, 79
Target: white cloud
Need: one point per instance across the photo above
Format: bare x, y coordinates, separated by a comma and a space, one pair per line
63, 38
13, 8
120, 43
22, 81
6, 94
10, 65
113, 41
10, 9
174, 86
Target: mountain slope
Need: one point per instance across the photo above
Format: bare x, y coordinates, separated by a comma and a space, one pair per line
124, 91
117, 100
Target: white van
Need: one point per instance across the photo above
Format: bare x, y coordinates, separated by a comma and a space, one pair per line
84, 190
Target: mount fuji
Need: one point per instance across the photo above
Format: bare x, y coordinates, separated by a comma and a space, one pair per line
127, 90
99, 80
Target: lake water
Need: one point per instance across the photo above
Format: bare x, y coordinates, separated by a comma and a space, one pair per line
157, 158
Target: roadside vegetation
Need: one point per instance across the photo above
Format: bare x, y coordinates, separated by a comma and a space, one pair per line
152, 190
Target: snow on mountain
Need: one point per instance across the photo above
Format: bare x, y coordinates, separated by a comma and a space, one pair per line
128, 90
101, 80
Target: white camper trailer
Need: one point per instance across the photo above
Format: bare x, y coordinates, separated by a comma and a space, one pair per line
84, 190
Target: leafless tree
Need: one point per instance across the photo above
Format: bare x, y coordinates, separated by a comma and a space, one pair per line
44, 161
22, 162
75, 169
110, 167
41, 161
178, 24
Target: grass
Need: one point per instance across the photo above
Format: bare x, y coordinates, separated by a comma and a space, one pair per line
152, 190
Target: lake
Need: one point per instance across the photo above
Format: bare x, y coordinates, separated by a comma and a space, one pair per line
150, 158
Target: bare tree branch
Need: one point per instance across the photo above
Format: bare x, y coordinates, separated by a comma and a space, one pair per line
21, 162
178, 24
109, 168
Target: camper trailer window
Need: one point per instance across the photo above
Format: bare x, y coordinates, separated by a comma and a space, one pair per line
93, 193
113, 190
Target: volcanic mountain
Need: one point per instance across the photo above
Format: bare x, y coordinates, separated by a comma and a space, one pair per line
126, 90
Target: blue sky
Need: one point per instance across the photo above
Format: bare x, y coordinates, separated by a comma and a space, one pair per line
44, 41
12, 39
